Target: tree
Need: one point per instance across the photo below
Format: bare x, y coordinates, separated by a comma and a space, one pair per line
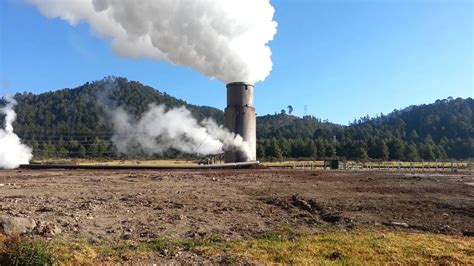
81, 152
311, 150
273, 150
99, 148
427, 152
298, 148
285, 147
414, 135
73, 148
49, 150
330, 150
260, 150
320, 148
55, 124
377, 149
396, 149
410, 153
356, 151
282, 112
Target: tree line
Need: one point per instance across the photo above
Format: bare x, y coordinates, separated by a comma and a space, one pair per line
70, 123
442, 130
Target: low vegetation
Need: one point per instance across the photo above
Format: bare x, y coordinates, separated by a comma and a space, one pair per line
357, 247
26, 252
288, 246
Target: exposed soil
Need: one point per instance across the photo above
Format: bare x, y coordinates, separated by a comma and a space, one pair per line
140, 205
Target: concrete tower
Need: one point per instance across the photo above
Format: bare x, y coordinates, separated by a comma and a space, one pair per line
241, 119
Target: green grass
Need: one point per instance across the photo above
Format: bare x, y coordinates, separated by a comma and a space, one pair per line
284, 245
228, 259
33, 252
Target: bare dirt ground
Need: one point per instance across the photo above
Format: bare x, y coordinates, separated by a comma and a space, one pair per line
140, 205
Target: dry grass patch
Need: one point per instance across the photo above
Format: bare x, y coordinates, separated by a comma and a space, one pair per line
119, 162
287, 246
355, 247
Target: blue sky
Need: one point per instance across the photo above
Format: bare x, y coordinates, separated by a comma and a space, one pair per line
341, 59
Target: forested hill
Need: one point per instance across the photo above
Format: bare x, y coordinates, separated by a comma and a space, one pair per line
444, 129
71, 123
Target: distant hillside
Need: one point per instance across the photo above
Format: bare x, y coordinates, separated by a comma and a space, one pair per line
444, 129
71, 123
293, 127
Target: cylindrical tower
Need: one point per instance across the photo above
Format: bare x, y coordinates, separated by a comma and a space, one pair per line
241, 119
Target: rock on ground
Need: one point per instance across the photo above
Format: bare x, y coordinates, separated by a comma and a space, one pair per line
14, 226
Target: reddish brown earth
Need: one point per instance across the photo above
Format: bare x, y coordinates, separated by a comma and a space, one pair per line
139, 205
234, 203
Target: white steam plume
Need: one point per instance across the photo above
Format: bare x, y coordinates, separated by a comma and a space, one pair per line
159, 130
223, 39
12, 151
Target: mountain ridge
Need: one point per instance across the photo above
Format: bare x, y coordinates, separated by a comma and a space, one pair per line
70, 123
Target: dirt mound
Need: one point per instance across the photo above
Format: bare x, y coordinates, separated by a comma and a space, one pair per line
318, 212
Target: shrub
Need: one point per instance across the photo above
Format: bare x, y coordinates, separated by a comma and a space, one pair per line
34, 252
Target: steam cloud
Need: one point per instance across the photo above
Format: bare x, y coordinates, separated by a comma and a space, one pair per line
223, 39
159, 130
12, 151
